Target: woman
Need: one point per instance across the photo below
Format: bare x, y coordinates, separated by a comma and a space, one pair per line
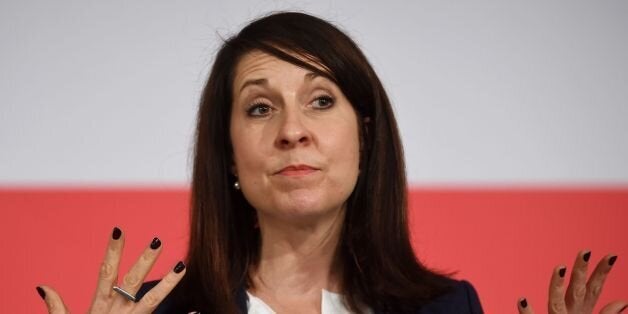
298, 192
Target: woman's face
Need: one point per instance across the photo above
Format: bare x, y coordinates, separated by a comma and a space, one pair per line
295, 139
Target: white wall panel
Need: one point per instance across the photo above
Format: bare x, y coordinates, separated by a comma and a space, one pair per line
105, 92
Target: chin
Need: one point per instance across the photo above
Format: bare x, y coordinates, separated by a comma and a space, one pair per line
305, 205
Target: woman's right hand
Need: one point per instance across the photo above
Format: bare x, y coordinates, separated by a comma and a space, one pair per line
106, 300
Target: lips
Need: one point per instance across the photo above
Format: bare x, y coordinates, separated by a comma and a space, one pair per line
297, 170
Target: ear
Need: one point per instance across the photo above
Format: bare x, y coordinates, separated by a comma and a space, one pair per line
234, 170
364, 132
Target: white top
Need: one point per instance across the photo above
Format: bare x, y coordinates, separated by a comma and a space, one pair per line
331, 303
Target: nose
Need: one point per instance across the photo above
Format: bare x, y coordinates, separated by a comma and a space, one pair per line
292, 131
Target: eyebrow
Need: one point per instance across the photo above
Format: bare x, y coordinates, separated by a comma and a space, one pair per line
264, 82
261, 81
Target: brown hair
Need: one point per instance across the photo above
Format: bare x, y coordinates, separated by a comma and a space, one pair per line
379, 267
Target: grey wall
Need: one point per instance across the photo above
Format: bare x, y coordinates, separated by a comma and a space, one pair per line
486, 92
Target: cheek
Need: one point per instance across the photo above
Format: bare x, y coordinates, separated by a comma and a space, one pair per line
251, 154
346, 138
246, 154
345, 154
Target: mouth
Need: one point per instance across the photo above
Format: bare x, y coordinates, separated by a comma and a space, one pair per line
296, 170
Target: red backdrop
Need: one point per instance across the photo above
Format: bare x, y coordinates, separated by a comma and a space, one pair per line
505, 241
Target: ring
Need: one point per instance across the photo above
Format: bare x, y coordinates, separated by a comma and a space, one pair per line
125, 294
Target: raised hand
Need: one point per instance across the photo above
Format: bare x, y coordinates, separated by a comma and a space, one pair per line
106, 300
581, 295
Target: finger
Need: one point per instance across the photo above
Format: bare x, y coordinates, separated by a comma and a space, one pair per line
157, 294
54, 303
556, 301
524, 307
596, 282
133, 280
577, 288
615, 307
108, 272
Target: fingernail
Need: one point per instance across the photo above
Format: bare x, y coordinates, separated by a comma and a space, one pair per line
41, 292
612, 260
116, 233
623, 308
155, 244
561, 272
523, 302
586, 256
179, 267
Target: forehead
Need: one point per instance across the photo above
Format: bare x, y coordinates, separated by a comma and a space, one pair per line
258, 65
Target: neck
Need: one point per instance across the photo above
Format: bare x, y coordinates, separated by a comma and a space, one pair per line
298, 258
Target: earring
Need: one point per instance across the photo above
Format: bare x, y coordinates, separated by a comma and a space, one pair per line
236, 185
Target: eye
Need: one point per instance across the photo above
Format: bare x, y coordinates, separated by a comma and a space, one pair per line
323, 102
259, 110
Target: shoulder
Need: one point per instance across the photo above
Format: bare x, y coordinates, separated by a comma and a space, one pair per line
171, 305
462, 298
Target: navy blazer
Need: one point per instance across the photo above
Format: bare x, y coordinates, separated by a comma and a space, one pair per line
462, 299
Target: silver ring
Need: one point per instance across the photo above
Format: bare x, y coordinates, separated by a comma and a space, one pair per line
124, 293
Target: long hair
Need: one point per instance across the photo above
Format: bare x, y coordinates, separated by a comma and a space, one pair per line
379, 268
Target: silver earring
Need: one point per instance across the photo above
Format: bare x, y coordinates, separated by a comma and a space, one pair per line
236, 185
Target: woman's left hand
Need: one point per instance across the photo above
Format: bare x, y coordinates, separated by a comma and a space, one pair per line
581, 295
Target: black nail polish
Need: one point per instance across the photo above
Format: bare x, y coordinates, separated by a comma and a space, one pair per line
586, 256
561, 272
523, 302
116, 233
179, 267
41, 292
612, 260
155, 244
